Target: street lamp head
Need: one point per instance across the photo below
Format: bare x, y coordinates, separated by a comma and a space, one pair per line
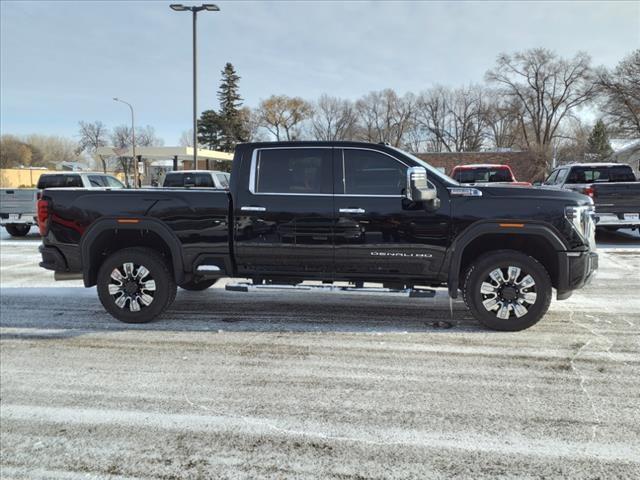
116, 99
210, 7
178, 7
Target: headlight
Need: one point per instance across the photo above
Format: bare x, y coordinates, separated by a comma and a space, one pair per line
582, 219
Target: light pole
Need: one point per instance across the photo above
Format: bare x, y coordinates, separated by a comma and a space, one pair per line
133, 142
210, 7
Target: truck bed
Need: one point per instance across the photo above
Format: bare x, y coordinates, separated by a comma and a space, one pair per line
198, 218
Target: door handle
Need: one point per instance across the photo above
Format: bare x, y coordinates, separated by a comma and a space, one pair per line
351, 210
250, 208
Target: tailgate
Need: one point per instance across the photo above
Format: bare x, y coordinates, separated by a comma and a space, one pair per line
18, 200
621, 197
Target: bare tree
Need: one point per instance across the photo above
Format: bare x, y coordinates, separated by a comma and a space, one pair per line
620, 88
547, 89
385, 117
54, 149
572, 142
93, 136
121, 140
502, 121
333, 119
146, 137
186, 138
282, 116
453, 120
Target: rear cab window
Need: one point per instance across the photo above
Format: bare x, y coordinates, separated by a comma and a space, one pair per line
605, 173
483, 175
59, 181
293, 171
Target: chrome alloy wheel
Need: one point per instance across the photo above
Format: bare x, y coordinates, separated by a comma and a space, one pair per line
132, 285
513, 293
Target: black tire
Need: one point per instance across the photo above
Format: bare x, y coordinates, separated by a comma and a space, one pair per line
17, 229
130, 289
197, 285
509, 295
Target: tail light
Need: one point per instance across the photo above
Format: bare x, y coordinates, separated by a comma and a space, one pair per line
43, 216
590, 191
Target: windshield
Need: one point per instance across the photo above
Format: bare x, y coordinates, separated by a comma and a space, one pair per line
432, 170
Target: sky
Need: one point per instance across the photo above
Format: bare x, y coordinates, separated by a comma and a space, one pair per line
62, 62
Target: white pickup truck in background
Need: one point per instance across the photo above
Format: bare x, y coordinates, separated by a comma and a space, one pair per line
18, 205
197, 179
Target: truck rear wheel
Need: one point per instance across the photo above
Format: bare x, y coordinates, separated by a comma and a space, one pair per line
17, 229
135, 285
197, 286
507, 290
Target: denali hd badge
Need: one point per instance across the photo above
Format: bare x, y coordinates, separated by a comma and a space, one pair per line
401, 254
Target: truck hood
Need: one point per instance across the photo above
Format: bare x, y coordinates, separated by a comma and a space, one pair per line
568, 197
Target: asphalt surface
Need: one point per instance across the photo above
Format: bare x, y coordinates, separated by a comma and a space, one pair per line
299, 385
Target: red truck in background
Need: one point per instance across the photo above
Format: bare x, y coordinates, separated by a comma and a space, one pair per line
485, 173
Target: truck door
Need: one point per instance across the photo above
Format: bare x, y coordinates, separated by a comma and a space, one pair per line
284, 216
377, 230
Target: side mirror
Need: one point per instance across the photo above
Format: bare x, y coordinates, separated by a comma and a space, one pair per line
417, 187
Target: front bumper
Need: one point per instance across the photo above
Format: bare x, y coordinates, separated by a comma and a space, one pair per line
576, 269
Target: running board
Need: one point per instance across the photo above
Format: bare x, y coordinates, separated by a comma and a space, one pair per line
404, 292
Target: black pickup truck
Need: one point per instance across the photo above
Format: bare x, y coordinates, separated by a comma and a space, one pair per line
325, 211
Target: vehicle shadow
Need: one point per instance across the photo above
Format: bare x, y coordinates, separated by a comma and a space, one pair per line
62, 313
620, 238
33, 234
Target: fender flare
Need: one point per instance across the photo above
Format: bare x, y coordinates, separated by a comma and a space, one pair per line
104, 224
491, 227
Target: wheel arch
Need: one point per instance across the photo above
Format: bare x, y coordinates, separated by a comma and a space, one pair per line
539, 241
104, 235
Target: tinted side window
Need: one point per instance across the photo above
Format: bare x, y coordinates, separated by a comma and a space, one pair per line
294, 170
174, 180
372, 173
72, 181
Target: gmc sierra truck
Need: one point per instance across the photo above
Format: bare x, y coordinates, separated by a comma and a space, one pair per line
330, 212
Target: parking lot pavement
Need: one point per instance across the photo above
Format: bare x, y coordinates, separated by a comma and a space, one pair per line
298, 385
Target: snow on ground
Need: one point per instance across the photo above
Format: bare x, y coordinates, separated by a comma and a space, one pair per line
299, 385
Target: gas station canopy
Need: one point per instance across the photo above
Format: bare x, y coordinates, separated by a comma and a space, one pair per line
165, 153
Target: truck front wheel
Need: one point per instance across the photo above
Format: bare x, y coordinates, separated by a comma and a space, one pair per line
135, 285
17, 229
507, 290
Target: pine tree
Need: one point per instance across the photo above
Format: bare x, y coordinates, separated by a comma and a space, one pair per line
210, 128
234, 129
598, 143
